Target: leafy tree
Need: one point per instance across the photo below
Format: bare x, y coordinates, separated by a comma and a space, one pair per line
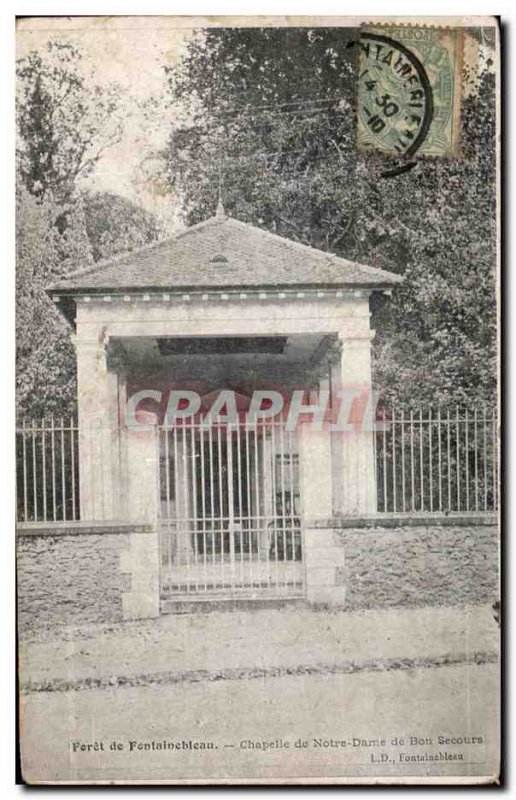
65, 121
271, 114
269, 111
437, 335
45, 359
115, 224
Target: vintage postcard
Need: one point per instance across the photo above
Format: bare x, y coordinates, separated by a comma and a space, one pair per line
257, 439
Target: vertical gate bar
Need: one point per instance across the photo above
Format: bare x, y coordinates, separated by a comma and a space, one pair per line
212, 499
202, 443
264, 472
278, 519
421, 460
171, 520
259, 519
457, 444
167, 534
393, 441
24, 455
412, 477
44, 469
165, 433
439, 456
484, 428
221, 518
384, 461
162, 538
283, 499
448, 457
240, 505
161, 478
72, 443
249, 507
63, 472
476, 458
292, 502
172, 515
177, 522
466, 425
101, 470
192, 499
193, 475
231, 504
186, 532
53, 443
173, 528
403, 492
430, 458
34, 473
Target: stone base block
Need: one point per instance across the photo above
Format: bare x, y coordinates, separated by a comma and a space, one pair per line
326, 595
139, 605
324, 560
141, 562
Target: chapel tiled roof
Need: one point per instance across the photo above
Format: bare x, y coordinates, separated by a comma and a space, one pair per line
223, 252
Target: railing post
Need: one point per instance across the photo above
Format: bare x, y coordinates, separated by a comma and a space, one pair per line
322, 554
357, 457
142, 560
97, 398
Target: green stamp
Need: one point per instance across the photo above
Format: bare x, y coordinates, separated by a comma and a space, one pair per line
409, 90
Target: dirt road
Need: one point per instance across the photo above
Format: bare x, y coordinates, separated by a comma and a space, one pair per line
367, 723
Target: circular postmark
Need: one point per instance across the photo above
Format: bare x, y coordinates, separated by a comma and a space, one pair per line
395, 102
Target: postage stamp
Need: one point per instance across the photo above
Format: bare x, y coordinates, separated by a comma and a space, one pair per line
409, 90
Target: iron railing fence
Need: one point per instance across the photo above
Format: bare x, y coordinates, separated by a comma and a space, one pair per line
434, 460
426, 460
47, 470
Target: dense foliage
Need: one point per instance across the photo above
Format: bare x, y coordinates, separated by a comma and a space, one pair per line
45, 360
270, 115
115, 224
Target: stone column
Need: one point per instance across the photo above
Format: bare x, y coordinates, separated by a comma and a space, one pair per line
142, 470
336, 440
97, 397
357, 465
142, 560
322, 553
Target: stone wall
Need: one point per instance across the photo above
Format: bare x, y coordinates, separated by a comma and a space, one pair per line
419, 566
69, 580
82, 577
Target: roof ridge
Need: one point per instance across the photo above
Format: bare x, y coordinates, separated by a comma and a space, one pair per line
205, 223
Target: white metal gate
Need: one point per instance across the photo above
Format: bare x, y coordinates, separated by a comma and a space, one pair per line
230, 511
